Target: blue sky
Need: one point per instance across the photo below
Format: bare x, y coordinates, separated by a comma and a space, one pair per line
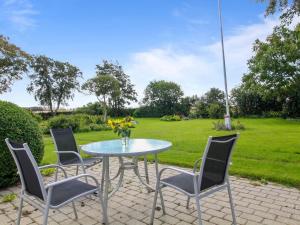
153, 39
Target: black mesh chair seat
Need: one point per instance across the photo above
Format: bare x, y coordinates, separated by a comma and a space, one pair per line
186, 183
68, 190
86, 161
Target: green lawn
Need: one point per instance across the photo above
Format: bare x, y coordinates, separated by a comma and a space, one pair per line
268, 148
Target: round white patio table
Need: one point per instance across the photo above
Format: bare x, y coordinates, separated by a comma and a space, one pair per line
134, 148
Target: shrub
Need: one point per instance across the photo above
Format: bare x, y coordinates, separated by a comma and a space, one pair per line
99, 127
63, 121
36, 116
78, 123
219, 125
17, 124
147, 111
171, 118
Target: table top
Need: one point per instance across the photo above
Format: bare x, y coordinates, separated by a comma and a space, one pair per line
135, 147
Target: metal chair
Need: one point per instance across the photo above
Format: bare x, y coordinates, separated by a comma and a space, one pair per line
53, 195
67, 152
212, 176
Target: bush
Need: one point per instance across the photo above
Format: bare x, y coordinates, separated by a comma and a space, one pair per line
63, 121
171, 118
17, 124
78, 123
219, 125
147, 111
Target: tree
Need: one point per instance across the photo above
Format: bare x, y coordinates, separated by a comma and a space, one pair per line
127, 92
52, 82
90, 108
105, 88
211, 104
274, 70
163, 95
13, 63
282, 5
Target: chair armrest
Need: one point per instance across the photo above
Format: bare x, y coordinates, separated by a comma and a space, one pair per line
54, 166
177, 170
70, 152
72, 178
196, 165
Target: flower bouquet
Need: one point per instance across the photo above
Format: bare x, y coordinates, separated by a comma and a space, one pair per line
122, 127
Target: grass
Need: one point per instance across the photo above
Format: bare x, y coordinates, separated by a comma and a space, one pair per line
269, 149
9, 198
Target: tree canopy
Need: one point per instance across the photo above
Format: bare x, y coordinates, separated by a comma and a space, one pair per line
127, 93
273, 5
163, 95
52, 82
105, 88
13, 63
274, 70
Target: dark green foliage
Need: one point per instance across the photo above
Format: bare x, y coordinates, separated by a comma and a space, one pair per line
147, 111
90, 108
78, 123
127, 92
171, 118
216, 111
163, 96
63, 121
273, 5
13, 63
17, 124
52, 82
274, 73
211, 104
36, 116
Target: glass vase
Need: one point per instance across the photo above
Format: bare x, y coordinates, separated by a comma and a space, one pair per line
125, 140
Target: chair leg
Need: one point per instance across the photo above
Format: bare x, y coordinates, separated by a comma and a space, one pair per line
188, 202
46, 212
20, 211
77, 169
198, 209
162, 201
56, 174
231, 204
74, 209
154, 204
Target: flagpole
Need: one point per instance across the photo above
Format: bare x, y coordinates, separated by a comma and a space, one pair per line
227, 116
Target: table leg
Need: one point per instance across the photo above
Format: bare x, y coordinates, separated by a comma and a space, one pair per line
105, 184
146, 169
160, 192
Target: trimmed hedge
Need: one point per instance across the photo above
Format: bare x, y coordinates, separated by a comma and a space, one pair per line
17, 124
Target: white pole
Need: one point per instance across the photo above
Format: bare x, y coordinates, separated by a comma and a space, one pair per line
227, 116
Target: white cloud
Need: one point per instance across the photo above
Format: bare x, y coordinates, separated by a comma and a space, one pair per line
19, 13
199, 68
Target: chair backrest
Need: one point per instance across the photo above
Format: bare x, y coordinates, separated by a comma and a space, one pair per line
64, 141
216, 160
31, 178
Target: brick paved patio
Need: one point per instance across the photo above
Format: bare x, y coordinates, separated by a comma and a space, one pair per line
256, 203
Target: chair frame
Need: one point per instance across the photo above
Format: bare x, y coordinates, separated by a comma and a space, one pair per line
197, 180
45, 205
77, 154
